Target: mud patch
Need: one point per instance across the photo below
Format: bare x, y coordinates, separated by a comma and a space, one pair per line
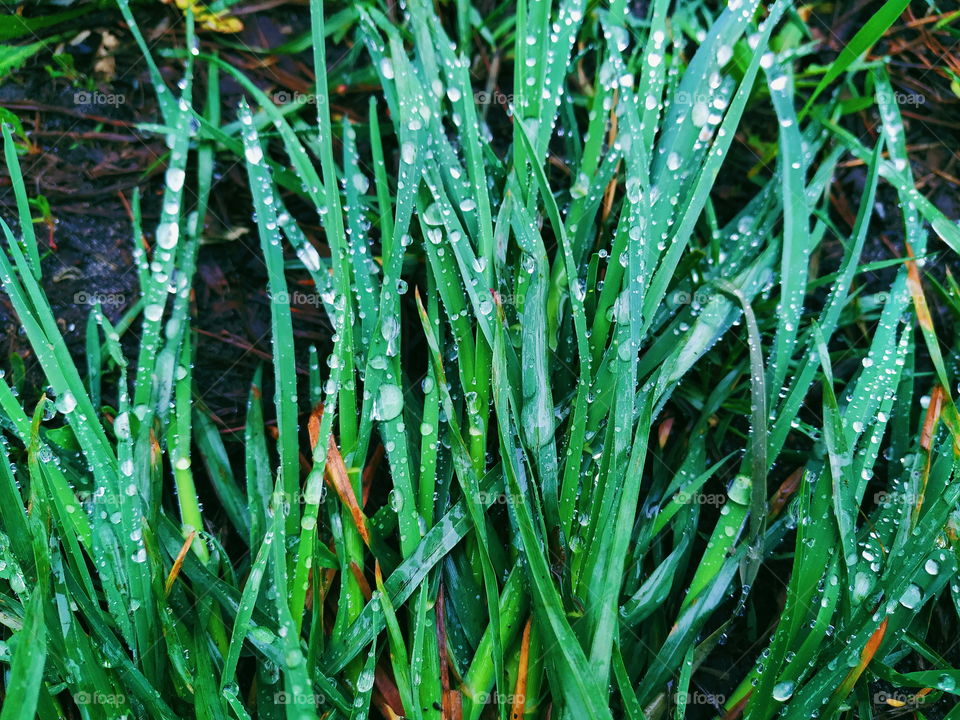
92, 263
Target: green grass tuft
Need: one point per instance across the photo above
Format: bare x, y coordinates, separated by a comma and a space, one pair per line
591, 439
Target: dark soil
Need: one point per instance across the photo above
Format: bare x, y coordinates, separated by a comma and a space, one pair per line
87, 158
92, 263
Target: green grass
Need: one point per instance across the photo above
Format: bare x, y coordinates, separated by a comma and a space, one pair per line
634, 433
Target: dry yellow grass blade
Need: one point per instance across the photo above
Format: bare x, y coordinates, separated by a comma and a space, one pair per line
220, 22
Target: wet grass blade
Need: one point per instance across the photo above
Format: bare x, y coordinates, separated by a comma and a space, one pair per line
285, 396
862, 41
29, 659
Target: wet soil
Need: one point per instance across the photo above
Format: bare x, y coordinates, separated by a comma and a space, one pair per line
83, 152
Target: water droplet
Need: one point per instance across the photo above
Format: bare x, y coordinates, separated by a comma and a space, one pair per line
365, 681
309, 257
253, 154
390, 402
912, 597
783, 690
175, 177
153, 312
66, 402
167, 235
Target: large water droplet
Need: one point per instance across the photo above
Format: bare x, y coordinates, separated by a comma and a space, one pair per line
783, 690
390, 402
